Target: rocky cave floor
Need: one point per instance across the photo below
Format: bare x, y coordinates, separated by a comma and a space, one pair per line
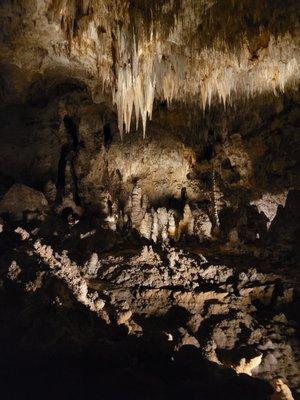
90, 312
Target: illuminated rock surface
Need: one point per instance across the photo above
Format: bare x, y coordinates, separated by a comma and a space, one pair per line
149, 199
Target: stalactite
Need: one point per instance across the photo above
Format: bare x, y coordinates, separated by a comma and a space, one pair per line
136, 82
158, 53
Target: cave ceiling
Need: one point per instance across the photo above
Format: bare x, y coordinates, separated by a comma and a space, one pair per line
130, 53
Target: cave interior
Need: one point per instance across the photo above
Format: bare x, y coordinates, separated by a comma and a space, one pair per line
149, 199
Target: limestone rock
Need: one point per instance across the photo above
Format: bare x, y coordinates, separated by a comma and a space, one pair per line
202, 224
268, 204
50, 192
146, 226
36, 284
242, 360
23, 233
137, 212
123, 316
21, 198
13, 271
282, 391
99, 304
186, 339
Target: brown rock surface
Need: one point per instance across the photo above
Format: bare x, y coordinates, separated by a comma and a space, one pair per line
21, 198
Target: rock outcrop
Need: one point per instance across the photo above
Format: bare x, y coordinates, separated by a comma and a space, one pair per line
21, 198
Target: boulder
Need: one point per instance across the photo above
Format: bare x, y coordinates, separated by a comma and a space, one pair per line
243, 360
21, 198
282, 391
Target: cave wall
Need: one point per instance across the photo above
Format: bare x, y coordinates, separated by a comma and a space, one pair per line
252, 148
219, 79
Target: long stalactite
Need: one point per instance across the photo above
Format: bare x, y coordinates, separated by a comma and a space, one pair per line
163, 50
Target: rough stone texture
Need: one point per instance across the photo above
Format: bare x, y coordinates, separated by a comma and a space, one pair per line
21, 198
83, 40
164, 136
173, 298
163, 164
282, 391
269, 203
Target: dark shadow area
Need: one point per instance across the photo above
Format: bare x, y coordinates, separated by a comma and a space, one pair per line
69, 151
67, 353
44, 91
107, 135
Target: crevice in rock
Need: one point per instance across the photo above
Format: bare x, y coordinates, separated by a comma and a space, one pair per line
68, 155
107, 136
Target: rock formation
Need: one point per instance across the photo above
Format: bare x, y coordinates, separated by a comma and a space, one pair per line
149, 199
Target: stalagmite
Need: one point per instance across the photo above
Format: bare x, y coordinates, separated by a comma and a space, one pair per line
146, 226
162, 214
145, 203
202, 224
186, 224
136, 207
171, 225
215, 199
91, 267
160, 224
105, 203
154, 232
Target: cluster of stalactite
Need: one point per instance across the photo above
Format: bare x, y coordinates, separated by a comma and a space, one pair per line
176, 50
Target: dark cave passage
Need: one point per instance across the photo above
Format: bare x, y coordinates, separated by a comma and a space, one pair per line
72, 131
67, 158
61, 172
68, 154
108, 136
